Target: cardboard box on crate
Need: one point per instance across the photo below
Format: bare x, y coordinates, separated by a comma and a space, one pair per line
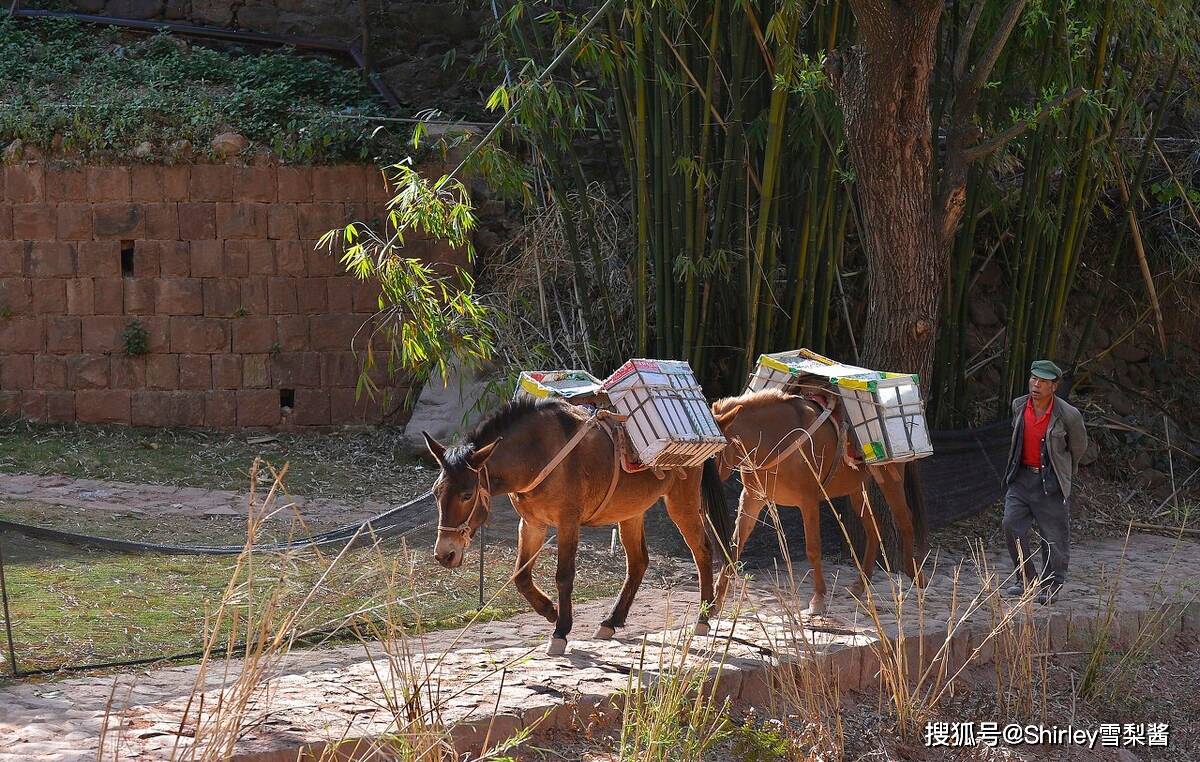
886, 412
575, 386
787, 370
669, 423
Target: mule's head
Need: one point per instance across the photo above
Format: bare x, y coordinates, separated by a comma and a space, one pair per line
724, 412
464, 499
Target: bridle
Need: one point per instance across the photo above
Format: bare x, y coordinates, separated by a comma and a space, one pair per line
483, 497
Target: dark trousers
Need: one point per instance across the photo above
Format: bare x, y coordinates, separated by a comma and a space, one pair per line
1029, 502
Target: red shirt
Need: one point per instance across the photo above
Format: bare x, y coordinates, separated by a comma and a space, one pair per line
1033, 432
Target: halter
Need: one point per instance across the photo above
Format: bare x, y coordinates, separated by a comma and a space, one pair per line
483, 497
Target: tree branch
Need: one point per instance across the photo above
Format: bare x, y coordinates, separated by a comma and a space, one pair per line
983, 68
979, 150
964, 43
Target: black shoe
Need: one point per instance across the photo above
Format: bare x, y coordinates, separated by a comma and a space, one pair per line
1048, 594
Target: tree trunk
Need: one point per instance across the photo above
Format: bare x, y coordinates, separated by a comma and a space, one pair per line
882, 85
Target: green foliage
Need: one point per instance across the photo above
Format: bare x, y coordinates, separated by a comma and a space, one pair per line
427, 322
99, 90
135, 339
753, 742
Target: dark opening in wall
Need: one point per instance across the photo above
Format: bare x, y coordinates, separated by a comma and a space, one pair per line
126, 258
287, 398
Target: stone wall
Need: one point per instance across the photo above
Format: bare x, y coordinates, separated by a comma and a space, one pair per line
247, 325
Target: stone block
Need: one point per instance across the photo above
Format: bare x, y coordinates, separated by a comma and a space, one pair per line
222, 297
312, 296
197, 221
10, 403
125, 372
109, 296
253, 335
12, 258
366, 295
48, 259
281, 296
317, 219
74, 221
16, 296
98, 258
49, 296
23, 334
155, 408
64, 335
211, 182
108, 183
33, 404
6, 228
179, 296
260, 257
60, 406
333, 332
87, 371
341, 293
162, 221
139, 296
162, 372
257, 407
34, 222
66, 184
207, 259
290, 258
146, 256
312, 407
24, 183
49, 372
16, 372
199, 335
296, 370
104, 333
283, 223
237, 258
195, 372
339, 182
174, 259
220, 409
295, 184
254, 295
227, 369
319, 262
81, 297
118, 220
157, 332
254, 184
339, 369
344, 407
240, 220
159, 183
291, 331
256, 371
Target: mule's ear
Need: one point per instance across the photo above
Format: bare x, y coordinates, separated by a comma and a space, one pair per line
436, 448
480, 456
726, 418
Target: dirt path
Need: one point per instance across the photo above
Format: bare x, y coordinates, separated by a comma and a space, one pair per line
329, 693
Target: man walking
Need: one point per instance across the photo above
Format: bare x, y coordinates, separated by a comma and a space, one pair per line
1048, 440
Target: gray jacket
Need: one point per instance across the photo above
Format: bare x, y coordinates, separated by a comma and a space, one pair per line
1063, 447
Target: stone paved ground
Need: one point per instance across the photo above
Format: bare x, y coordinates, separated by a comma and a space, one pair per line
323, 695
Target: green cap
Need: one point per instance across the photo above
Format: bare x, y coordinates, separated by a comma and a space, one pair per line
1045, 369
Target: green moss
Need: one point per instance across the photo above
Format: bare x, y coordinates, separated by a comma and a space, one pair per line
102, 91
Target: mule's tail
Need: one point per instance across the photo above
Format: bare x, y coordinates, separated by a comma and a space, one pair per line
915, 495
712, 493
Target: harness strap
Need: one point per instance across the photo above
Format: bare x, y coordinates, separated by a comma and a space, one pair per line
606, 424
561, 455
803, 437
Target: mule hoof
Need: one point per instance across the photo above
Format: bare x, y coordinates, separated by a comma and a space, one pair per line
558, 647
702, 628
920, 580
857, 589
605, 632
816, 607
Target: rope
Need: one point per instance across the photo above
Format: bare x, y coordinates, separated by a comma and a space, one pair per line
379, 526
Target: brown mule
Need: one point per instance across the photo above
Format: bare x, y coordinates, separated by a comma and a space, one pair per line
516, 452
789, 452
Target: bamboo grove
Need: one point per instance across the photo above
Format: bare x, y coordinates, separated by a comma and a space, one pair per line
715, 121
